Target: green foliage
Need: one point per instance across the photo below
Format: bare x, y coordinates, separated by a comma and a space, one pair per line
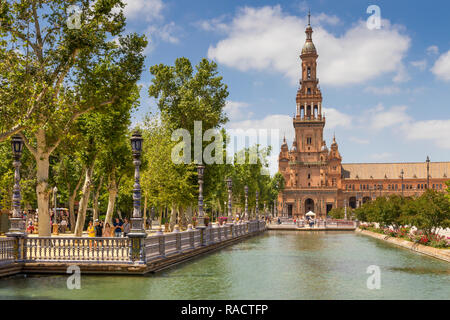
428, 212
184, 96
337, 213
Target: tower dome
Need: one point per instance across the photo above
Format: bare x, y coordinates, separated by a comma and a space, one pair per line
308, 47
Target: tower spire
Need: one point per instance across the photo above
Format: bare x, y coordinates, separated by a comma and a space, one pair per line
309, 17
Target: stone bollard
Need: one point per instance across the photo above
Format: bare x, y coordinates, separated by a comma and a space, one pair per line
162, 243
191, 235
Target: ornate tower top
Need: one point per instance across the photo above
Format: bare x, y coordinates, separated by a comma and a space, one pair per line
309, 97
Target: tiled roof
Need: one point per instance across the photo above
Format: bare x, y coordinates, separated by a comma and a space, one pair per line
415, 170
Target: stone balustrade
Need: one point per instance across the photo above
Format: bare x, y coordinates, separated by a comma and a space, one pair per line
123, 251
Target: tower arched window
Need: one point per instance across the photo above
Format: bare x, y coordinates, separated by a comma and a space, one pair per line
309, 73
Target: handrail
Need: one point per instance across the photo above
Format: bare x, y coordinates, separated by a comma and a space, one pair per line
61, 249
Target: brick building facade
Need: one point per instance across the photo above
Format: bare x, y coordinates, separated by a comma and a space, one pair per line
317, 180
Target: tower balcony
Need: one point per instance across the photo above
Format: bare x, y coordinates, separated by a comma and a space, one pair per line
317, 117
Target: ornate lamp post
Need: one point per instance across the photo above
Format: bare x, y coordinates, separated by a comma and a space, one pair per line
428, 172
17, 228
229, 186
55, 222
201, 218
246, 202
137, 226
256, 208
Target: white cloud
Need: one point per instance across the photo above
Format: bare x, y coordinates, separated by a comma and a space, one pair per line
432, 130
336, 118
235, 110
441, 67
433, 50
143, 9
420, 64
266, 39
379, 117
387, 90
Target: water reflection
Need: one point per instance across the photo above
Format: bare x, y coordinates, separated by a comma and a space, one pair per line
276, 265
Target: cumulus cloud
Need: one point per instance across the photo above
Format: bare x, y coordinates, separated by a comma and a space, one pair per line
336, 118
432, 130
441, 68
143, 9
380, 117
236, 110
267, 39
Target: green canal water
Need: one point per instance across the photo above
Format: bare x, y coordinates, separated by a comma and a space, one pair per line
275, 265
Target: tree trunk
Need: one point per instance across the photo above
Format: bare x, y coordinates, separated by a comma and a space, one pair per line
96, 196
189, 215
72, 199
173, 217
81, 217
42, 191
112, 192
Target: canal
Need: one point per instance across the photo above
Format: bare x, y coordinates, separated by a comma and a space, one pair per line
274, 265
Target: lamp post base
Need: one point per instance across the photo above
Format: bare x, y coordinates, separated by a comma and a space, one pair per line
137, 230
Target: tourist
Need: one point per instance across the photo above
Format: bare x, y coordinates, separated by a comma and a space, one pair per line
107, 231
63, 225
126, 227
98, 228
149, 223
30, 228
118, 228
91, 232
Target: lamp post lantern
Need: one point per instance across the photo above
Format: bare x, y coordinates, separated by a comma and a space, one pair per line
137, 226
256, 208
246, 202
229, 186
201, 218
17, 228
428, 172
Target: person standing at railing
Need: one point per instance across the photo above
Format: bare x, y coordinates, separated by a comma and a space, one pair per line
118, 228
107, 231
91, 232
63, 225
126, 227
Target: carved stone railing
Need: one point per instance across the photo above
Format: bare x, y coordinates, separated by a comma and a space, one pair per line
78, 250
164, 245
87, 250
8, 250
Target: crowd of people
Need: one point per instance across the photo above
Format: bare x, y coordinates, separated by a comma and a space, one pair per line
118, 229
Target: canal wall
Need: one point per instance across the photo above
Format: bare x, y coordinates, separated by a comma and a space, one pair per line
442, 254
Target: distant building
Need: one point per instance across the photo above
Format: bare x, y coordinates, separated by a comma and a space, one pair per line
317, 180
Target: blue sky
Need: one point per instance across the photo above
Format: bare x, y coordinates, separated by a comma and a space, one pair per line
385, 91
